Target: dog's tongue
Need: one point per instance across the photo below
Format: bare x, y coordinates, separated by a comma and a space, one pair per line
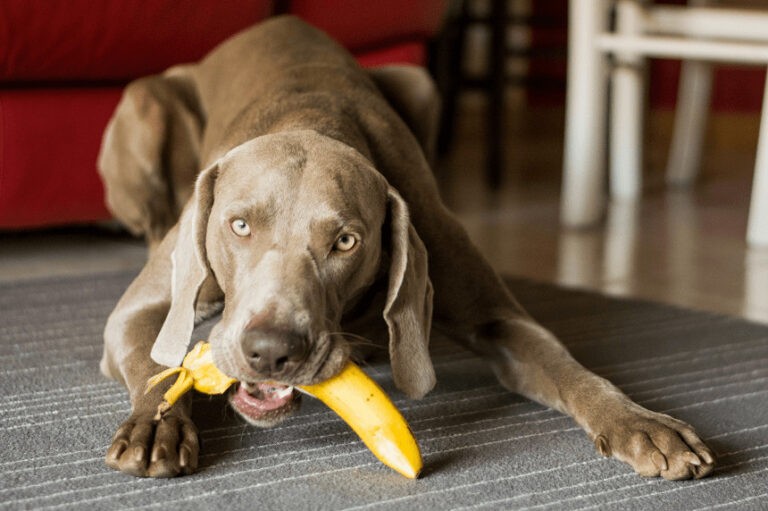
263, 397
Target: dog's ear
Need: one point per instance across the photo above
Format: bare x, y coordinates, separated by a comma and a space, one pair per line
408, 309
190, 269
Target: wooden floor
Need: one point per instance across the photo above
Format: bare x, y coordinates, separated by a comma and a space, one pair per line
679, 246
684, 247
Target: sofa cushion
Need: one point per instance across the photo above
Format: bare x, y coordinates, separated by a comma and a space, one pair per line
413, 52
49, 139
79, 53
76, 40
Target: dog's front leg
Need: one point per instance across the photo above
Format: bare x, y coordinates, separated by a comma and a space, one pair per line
144, 446
529, 360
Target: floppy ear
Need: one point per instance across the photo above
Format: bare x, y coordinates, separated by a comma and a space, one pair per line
190, 269
408, 309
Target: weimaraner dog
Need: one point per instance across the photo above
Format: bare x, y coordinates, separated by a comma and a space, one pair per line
316, 219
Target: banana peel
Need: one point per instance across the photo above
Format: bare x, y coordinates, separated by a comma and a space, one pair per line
354, 396
197, 370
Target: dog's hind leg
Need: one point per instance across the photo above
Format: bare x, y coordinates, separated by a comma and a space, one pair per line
414, 96
150, 153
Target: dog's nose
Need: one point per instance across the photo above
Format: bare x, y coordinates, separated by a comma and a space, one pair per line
273, 354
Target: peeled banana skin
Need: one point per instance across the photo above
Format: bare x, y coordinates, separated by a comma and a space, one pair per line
198, 371
355, 397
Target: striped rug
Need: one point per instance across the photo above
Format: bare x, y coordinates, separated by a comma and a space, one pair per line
484, 448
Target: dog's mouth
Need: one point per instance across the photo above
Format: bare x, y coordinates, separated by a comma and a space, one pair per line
265, 404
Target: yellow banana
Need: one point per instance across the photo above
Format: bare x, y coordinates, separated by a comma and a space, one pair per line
369, 412
356, 398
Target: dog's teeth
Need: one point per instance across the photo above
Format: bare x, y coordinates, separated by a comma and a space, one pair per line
287, 391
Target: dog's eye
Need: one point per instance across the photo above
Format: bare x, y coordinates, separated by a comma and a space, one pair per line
345, 243
240, 227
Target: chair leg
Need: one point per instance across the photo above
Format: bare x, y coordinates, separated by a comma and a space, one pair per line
583, 200
628, 102
690, 123
757, 229
496, 106
626, 133
446, 58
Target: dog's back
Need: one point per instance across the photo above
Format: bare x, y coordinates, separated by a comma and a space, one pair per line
266, 68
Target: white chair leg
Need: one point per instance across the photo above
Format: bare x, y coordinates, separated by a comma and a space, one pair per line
757, 229
583, 200
690, 123
755, 285
628, 101
626, 133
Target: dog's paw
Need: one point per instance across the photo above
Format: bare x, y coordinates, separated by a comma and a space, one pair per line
655, 445
145, 447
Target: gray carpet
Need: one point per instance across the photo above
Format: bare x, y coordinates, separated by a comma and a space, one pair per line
483, 447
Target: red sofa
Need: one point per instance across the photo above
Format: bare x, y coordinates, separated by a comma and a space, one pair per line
63, 64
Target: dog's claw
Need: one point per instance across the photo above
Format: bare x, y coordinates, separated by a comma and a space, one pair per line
158, 453
184, 456
163, 468
691, 458
139, 453
115, 451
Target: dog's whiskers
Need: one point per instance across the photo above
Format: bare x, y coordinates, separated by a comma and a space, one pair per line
356, 340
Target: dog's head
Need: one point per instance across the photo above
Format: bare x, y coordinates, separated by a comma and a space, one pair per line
295, 227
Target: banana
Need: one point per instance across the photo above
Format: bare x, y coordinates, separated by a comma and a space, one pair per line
363, 405
354, 396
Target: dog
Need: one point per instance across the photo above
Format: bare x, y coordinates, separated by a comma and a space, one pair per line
316, 217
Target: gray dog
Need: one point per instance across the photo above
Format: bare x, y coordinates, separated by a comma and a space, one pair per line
312, 220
